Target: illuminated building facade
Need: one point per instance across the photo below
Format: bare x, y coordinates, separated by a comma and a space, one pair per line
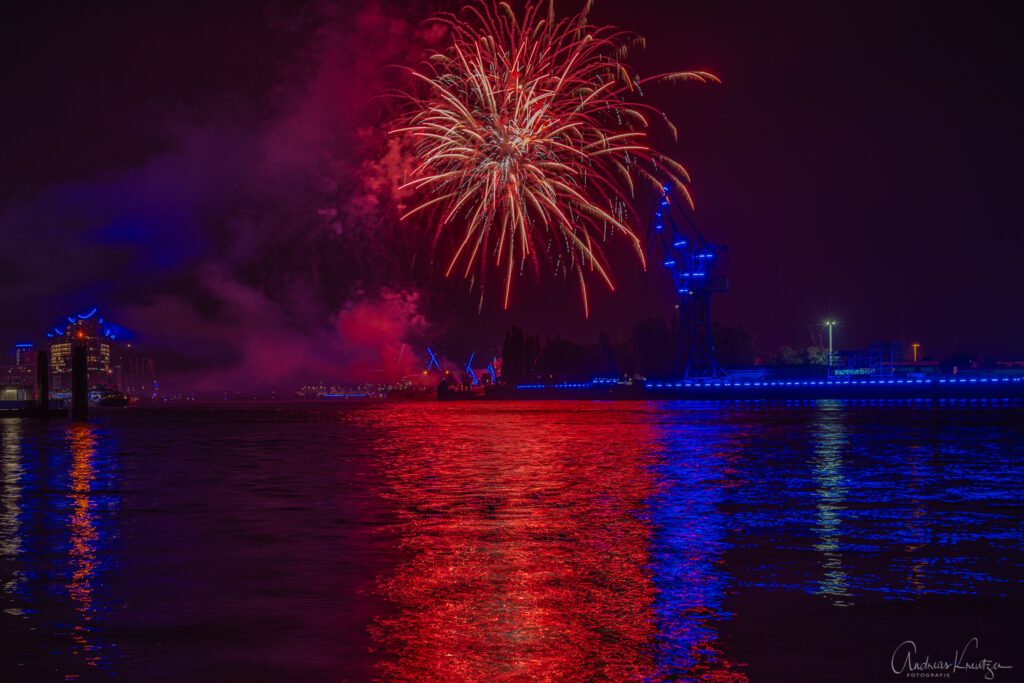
111, 362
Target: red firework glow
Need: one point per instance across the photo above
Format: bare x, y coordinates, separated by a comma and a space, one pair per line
525, 136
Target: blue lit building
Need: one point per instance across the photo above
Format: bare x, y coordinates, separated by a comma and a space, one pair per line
110, 359
22, 369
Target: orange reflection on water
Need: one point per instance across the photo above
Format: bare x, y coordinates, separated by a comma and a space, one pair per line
84, 561
529, 551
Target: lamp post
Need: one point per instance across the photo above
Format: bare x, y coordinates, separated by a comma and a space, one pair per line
915, 351
829, 324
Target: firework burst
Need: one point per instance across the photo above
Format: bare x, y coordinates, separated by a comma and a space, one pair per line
529, 144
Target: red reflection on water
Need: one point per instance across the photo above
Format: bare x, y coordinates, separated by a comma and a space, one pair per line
529, 547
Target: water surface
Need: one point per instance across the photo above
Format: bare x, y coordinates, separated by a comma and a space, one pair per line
718, 541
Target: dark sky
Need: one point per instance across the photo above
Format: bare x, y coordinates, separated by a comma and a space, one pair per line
200, 172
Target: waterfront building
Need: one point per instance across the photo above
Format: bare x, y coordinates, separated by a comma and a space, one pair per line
13, 397
111, 360
82, 330
22, 369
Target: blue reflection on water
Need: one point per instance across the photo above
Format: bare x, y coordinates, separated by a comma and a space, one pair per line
59, 531
895, 498
856, 502
688, 547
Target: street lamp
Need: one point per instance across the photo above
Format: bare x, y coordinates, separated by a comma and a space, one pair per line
829, 324
915, 351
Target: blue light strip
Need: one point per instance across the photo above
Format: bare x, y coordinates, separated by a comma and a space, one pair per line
722, 384
809, 383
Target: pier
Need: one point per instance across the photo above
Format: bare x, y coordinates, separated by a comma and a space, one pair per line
618, 390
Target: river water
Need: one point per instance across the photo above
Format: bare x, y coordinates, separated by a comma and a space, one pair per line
714, 541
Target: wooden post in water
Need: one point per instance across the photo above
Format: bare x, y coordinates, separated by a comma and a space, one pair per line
43, 380
79, 385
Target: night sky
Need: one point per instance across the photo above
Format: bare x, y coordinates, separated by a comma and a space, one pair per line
211, 176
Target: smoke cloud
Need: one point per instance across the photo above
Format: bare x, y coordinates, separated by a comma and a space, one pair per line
252, 344
259, 248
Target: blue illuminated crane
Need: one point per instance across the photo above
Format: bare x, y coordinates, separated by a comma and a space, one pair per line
432, 363
692, 261
469, 369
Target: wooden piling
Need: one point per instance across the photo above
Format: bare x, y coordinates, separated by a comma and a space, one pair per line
43, 380
79, 385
